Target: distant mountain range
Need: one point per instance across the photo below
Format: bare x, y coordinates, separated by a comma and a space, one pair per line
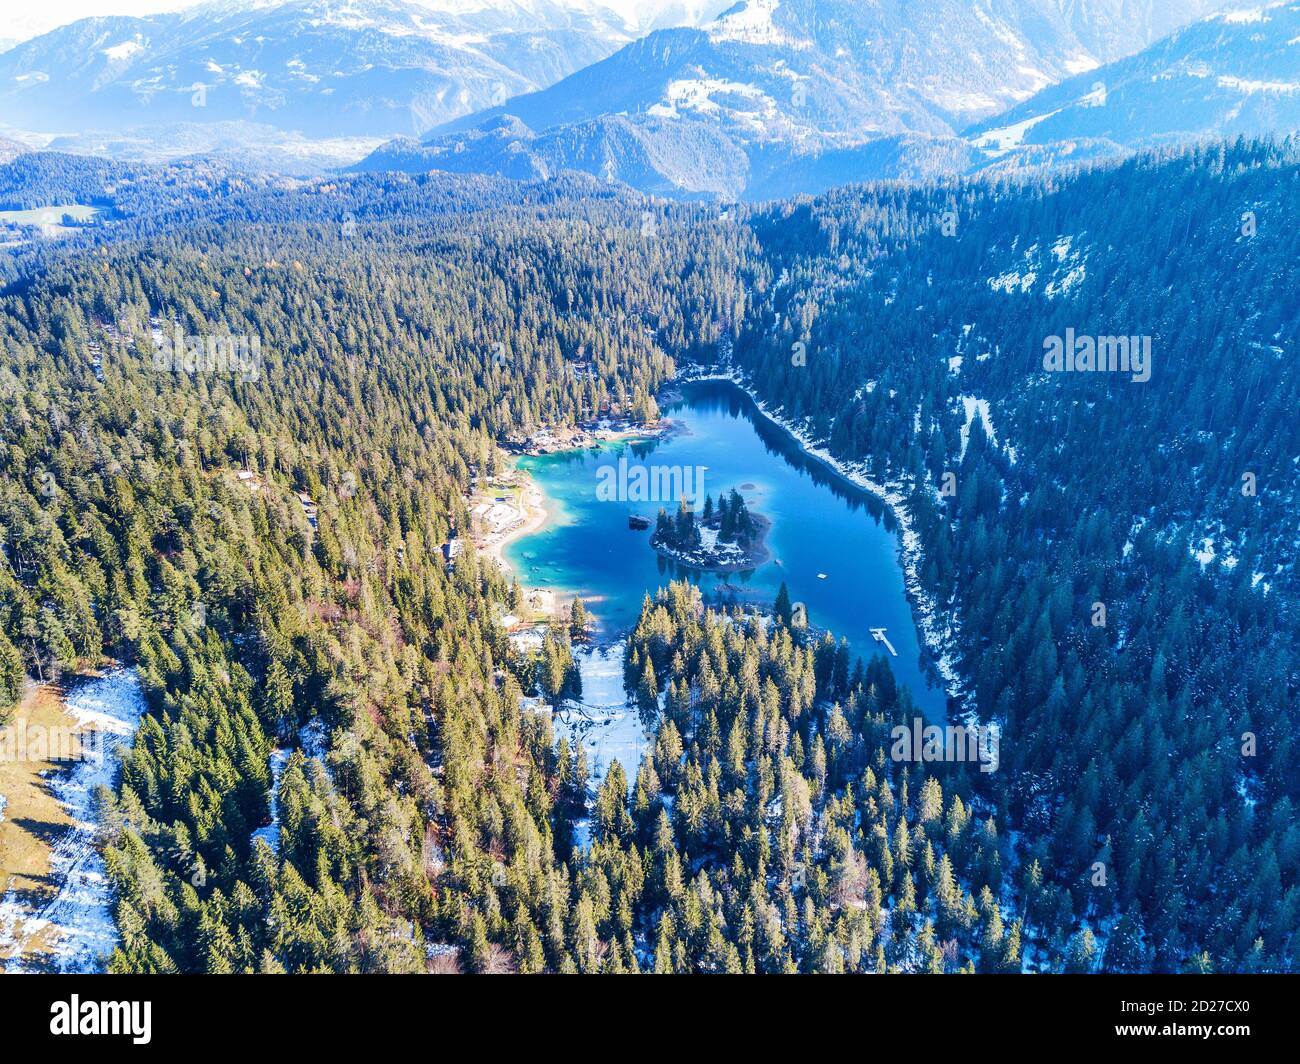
10, 150
762, 99
320, 68
781, 96
1231, 74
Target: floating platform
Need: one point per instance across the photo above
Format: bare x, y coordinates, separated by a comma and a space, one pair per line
879, 635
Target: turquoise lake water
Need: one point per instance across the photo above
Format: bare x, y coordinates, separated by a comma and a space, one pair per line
831, 542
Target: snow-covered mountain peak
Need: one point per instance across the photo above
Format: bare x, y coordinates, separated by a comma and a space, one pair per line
749, 21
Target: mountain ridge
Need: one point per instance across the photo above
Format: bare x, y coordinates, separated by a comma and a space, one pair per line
1230, 74
315, 67
844, 91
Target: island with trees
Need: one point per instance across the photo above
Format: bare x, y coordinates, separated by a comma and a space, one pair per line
725, 538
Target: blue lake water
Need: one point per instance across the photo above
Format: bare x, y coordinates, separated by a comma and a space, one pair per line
831, 542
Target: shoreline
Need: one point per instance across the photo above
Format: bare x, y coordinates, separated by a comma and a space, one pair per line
937, 638
536, 512
534, 517
581, 437
539, 603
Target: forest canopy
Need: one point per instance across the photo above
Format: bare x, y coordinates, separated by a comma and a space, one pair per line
407, 325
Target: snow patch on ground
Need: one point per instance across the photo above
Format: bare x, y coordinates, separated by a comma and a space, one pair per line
751, 23
1061, 286
1005, 138
314, 739
971, 405
1209, 552
270, 834
1071, 260
1244, 792
314, 742
710, 553
1246, 85
603, 723
1066, 268
1012, 280
79, 916
122, 51
1244, 16
696, 94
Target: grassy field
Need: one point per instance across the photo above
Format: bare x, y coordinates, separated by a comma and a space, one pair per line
54, 215
33, 818
496, 490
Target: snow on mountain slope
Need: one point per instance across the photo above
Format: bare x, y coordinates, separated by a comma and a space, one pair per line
842, 89
1234, 73
834, 68
847, 89
319, 67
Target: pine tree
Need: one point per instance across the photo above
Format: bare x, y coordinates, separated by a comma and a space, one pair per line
647, 691
12, 677
578, 623
782, 607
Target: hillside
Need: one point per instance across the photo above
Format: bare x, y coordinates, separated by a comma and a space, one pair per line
1229, 75
777, 97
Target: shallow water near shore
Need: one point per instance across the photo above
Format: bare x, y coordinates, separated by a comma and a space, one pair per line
831, 542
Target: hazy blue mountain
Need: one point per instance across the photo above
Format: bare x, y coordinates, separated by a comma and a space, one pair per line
10, 149
1112, 29
663, 157
782, 69
1229, 74
236, 144
318, 67
781, 96
681, 97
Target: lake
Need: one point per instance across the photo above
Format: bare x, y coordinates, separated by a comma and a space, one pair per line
831, 542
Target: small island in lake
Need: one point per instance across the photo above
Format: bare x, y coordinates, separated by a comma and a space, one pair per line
723, 538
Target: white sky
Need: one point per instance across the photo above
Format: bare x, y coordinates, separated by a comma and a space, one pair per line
30, 20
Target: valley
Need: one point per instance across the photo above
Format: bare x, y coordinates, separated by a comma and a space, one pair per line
591, 533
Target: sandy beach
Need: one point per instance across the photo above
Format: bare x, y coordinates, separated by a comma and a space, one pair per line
529, 513
532, 517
